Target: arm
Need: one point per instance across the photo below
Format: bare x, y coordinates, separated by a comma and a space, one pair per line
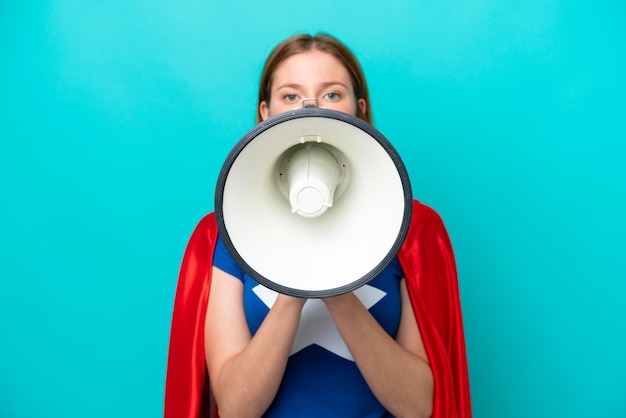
246, 371
397, 370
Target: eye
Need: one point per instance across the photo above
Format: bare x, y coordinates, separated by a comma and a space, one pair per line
290, 97
332, 96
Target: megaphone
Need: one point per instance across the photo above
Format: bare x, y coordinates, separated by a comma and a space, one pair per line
313, 203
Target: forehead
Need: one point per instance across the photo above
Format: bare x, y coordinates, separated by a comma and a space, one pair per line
310, 67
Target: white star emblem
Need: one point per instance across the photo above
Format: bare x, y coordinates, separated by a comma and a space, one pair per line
316, 324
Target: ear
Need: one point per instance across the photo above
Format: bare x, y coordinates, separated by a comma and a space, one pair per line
264, 110
362, 105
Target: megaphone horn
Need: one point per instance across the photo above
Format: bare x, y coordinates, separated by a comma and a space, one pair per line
313, 203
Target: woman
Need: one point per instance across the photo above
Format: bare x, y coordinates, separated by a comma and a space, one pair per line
404, 357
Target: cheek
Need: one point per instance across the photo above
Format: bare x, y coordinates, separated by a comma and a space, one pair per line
345, 107
277, 107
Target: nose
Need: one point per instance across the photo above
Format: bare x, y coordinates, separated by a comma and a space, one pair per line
309, 102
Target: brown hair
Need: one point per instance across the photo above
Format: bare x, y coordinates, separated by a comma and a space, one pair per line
320, 42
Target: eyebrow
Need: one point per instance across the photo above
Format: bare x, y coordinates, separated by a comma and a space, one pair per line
327, 84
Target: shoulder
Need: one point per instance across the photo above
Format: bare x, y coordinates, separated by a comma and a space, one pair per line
427, 236
424, 216
207, 226
204, 235
207, 221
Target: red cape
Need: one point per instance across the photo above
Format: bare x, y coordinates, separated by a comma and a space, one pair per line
428, 263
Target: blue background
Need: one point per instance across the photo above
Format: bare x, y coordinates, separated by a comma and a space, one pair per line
116, 116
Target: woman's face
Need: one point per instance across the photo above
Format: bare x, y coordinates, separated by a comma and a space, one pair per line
311, 75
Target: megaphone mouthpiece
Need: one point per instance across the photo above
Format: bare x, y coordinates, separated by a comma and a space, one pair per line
312, 175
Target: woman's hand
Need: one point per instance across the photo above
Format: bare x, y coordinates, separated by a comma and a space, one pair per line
345, 298
397, 370
290, 302
245, 370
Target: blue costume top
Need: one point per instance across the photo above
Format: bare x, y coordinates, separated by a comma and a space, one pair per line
321, 378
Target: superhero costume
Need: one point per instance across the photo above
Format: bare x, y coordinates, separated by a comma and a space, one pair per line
427, 259
320, 365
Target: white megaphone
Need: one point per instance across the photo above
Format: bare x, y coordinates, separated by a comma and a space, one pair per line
313, 203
